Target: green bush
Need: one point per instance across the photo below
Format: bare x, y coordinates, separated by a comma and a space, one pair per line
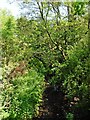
77, 71
23, 96
77, 78
69, 116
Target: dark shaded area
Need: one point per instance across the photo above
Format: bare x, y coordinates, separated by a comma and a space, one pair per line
81, 114
53, 105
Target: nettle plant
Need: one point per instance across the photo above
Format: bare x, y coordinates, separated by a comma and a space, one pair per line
23, 95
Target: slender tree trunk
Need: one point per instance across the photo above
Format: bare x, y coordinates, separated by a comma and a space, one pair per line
68, 10
89, 14
89, 24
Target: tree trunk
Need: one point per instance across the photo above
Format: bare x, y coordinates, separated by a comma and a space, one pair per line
89, 24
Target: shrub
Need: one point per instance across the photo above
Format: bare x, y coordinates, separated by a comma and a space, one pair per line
23, 95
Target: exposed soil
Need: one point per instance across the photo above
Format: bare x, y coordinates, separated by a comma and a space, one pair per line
53, 104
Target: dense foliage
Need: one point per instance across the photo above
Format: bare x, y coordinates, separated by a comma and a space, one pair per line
54, 48
23, 96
